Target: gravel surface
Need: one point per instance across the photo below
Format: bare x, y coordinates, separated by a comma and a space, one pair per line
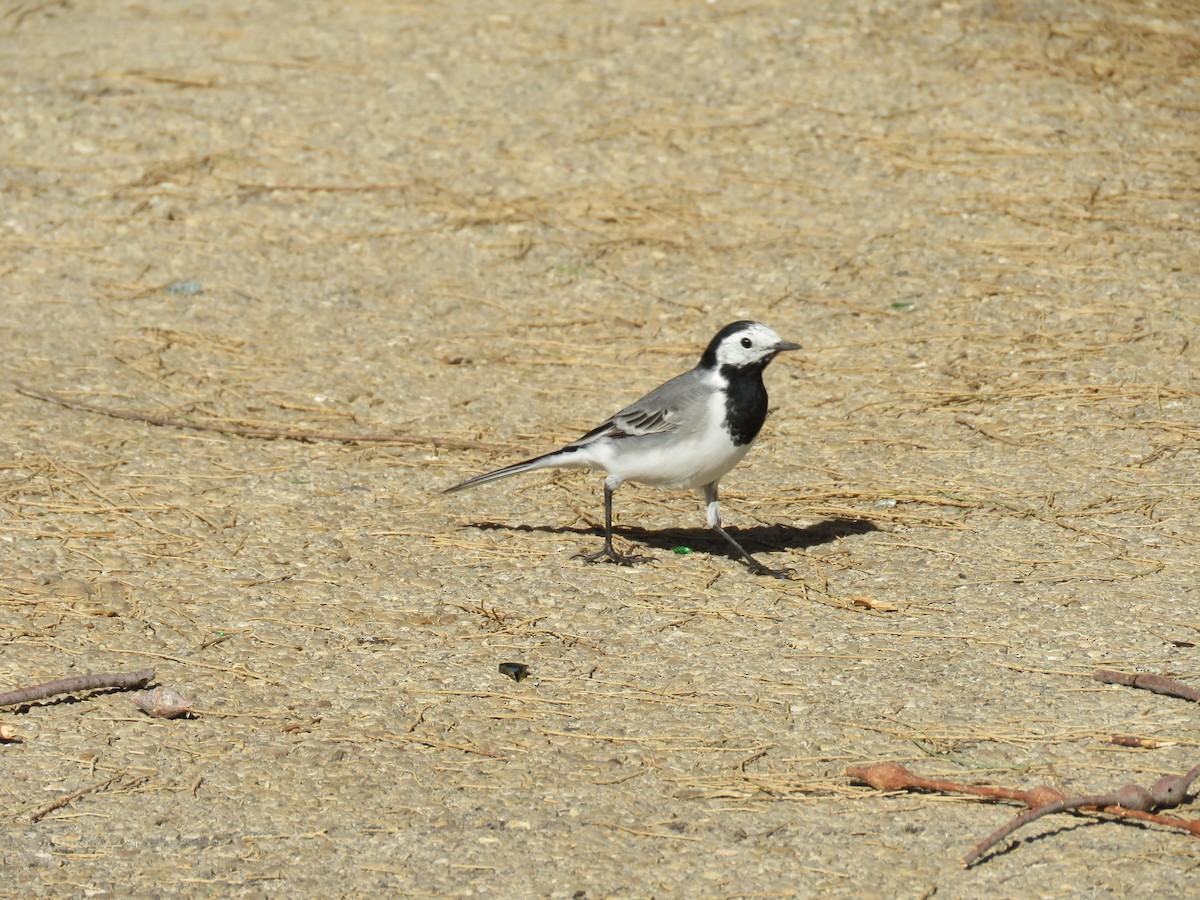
319, 260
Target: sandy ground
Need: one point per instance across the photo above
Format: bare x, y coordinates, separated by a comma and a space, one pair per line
479, 230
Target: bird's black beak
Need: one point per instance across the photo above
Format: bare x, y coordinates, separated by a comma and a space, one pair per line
786, 345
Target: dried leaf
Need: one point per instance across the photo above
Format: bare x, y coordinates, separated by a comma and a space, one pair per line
163, 703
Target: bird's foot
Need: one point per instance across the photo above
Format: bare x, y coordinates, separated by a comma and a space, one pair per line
608, 554
757, 568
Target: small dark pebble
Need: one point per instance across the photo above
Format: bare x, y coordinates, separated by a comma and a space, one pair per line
515, 671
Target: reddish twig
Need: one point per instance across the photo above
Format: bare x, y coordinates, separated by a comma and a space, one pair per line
1159, 684
1131, 801
256, 431
124, 681
1127, 740
1189, 825
1166, 793
894, 777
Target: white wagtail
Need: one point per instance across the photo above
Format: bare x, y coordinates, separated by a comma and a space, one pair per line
686, 433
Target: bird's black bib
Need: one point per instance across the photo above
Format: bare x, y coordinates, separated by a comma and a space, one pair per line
745, 402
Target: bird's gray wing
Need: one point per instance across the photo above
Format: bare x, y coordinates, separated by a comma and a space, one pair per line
660, 411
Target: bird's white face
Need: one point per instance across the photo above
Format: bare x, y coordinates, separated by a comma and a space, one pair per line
750, 346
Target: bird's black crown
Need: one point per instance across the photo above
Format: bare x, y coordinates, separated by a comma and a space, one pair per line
709, 359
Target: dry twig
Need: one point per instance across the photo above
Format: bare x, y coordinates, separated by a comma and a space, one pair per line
63, 801
256, 431
895, 777
1167, 793
1128, 740
123, 681
1159, 684
1130, 801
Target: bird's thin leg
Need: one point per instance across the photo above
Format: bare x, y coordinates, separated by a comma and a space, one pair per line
712, 509
607, 552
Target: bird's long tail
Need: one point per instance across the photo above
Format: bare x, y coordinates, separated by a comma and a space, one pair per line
558, 459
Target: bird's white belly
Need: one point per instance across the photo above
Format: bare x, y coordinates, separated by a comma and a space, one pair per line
681, 465
673, 459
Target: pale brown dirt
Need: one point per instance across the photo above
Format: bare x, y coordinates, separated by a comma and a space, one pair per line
498, 224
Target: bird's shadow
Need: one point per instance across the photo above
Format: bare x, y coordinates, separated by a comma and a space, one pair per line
756, 538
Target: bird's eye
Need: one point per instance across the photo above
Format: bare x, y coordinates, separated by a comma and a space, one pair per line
747, 343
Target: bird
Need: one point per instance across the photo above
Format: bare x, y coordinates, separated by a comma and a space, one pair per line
687, 434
